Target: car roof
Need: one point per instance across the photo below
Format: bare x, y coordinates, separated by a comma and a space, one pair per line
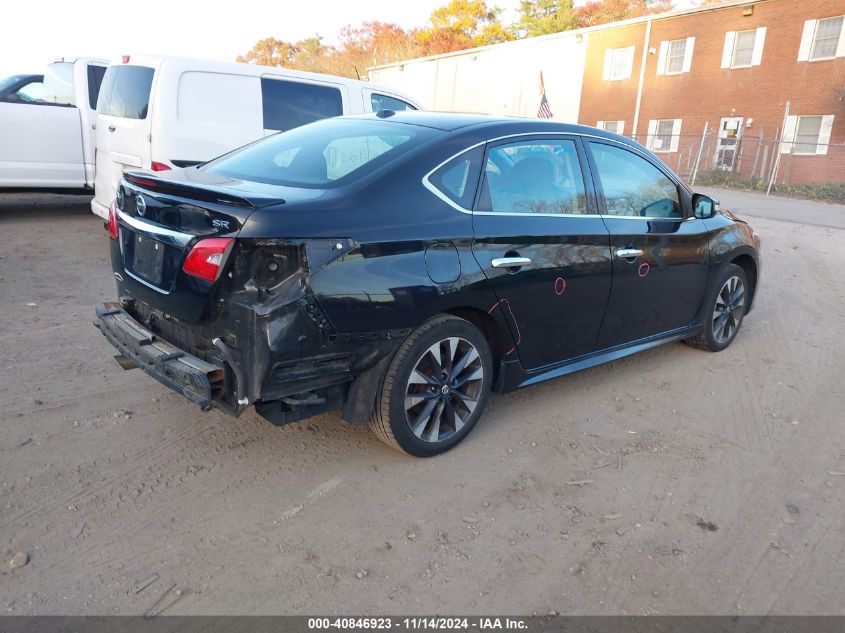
491, 125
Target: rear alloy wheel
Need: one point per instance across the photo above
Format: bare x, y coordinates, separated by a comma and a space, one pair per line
726, 310
435, 387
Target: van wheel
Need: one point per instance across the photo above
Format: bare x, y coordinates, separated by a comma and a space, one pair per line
724, 310
435, 388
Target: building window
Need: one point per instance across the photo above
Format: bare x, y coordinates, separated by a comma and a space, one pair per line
663, 135
743, 48
826, 38
675, 56
618, 63
617, 127
807, 134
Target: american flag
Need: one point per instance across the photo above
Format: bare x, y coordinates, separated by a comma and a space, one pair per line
544, 111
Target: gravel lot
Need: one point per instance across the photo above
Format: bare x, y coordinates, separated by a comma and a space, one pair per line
674, 482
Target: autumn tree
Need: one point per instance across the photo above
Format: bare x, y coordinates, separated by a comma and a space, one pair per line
539, 17
596, 12
270, 52
462, 24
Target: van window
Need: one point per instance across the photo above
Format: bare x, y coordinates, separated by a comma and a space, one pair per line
329, 153
95, 80
383, 102
126, 92
219, 99
289, 104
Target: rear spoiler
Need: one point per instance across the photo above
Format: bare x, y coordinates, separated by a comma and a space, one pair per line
204, 194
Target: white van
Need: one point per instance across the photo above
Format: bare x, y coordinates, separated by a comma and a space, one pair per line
164, 112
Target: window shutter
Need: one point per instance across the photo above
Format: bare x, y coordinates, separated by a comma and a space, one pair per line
824, 134
606, 72
652, 128
728, 50
620, 127
788, 134
840, 46
676, 135
688, 54
600, 125
806, 40
661, 57
757, 53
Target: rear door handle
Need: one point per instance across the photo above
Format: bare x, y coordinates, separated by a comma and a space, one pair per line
510, 262
628, 253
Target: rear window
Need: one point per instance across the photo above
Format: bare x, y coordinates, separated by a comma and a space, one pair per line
126, 92
325, 154
289, 104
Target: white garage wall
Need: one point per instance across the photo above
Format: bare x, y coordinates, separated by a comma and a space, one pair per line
499, 79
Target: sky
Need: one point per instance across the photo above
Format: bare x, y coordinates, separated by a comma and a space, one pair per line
38, 32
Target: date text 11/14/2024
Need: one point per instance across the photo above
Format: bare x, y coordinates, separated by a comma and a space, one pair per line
420, 623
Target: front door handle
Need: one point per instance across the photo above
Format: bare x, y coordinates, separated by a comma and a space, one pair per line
510, 262
112, 128
628, 253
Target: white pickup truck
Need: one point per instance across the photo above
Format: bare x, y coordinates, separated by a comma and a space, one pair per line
47, 135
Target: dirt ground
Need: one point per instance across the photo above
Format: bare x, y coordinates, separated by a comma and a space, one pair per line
673, 482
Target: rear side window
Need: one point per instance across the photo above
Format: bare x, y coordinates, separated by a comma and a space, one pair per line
458, 179
289, 104
95, 80
383, 102
126, 92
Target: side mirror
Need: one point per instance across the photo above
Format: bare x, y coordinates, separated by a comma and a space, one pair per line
704, 207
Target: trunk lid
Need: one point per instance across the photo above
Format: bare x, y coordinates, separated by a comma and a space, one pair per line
163, 215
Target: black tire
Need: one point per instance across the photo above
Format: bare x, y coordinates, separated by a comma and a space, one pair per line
392, 423
720, 320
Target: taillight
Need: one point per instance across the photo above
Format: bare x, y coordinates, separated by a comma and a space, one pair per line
159, 166
207, 257
113, 220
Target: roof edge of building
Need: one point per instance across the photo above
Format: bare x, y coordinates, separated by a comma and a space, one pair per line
727, 4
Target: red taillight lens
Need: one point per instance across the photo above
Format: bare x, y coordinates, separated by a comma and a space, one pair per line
207, 257
113, 220
159, 166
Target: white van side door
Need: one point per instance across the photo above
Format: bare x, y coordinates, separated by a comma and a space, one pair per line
288, 102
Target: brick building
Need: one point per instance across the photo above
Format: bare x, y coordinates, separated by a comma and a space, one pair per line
734, 67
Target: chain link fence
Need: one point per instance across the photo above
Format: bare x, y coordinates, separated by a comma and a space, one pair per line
759, 160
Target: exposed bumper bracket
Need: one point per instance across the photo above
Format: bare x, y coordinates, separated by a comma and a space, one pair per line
194, 378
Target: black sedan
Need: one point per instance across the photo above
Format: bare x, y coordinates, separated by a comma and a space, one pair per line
401, 266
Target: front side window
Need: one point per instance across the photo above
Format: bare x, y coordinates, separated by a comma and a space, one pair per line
95, 81
826, 37
385, 102
328, 153
534, 177
289, 104
632, 186
33, 92
125, 92
675, 56
618, 63
743, 51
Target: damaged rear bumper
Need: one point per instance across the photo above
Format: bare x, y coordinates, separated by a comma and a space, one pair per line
199, 381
